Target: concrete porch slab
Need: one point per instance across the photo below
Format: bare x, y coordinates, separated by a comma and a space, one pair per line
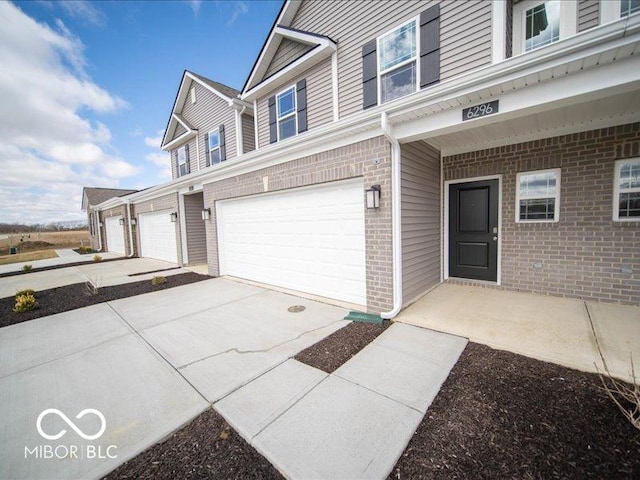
251, 408
339, 430
547, 328
412, 376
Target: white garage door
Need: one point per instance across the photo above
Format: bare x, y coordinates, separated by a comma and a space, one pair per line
306, 239
158, 236
115, 234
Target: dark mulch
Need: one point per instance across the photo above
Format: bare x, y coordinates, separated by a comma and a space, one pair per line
55, 267
206, 448
502, 415
333, 351
83, 252
77, 295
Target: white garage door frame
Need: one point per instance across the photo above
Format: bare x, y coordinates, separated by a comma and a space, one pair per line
158, 236
310, 239
115, 234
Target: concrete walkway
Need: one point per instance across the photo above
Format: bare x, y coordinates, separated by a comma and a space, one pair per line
354, 423
103, 274
65, 256
557, 330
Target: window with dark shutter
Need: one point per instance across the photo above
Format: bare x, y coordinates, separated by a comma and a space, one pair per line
273, 120
430, 46
369, 75
207, 149
301, 105
223, 149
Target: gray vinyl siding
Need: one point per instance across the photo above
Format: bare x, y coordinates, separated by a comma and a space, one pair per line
248, 133
209, 112
167, 202
196, 232
288, 51
319, 100
588, 14
465, 36
420, 176
179, 131
193, 154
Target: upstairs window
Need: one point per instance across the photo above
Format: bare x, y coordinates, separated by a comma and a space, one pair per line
627, 7
287, 121
538, 196
626, 198
213, 146
397, 62
182, 156
539, 23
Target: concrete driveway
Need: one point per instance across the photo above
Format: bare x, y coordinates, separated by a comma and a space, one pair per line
65, 255
102, 273
139, 368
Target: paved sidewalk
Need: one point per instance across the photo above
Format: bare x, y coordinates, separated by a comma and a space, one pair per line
354, 423
66, 255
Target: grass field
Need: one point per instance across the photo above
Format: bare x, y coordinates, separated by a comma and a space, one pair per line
39, 245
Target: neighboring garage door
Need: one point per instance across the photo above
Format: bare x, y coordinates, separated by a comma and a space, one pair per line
115, 234
307, 239
158, 236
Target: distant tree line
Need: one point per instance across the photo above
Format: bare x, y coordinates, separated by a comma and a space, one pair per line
63, 226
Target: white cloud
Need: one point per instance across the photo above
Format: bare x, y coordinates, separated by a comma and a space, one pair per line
161, 159
136, 132
84, 11
239, 8
195, 6
49, 147
153, 142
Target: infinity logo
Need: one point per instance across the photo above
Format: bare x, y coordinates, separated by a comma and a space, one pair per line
71, 424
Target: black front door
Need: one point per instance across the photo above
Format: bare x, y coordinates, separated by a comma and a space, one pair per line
473, 230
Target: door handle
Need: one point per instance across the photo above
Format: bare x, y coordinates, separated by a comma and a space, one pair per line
495, 238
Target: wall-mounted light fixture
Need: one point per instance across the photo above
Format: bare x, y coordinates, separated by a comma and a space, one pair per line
206, 213
132, 221
373, 196
100, 224
121, 221
174, 217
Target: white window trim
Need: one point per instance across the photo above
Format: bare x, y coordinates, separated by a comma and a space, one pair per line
416, 59
209, 149
568, 22
556, 209
617, 192
184, 149
289, 115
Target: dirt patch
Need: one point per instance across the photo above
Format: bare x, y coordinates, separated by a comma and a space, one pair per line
336, 349
27, 246
502, 415
206, 448
77, 295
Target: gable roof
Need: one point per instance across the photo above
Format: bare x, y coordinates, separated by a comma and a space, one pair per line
92, 196
225, 92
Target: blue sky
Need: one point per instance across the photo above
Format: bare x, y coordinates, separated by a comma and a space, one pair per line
86, 89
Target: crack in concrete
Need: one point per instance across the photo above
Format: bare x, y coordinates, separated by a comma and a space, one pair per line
264, 350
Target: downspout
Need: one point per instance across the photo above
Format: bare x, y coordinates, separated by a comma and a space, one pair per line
130, 229
396, 225
99, 229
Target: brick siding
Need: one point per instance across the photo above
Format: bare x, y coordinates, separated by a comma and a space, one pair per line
584, 254
370, 159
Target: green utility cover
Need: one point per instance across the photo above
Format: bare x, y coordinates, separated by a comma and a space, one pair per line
363, 317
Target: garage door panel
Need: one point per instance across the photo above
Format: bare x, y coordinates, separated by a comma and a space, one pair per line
309, 239
115, 234
158, 236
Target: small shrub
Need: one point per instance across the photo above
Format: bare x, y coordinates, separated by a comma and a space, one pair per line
25, 303
27, 267
97, 258
86, 250
26, 291
158, 280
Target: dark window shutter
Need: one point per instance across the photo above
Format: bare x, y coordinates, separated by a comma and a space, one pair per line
223, 148
177, 164
369, 74
430, 46
301, 104
273, 120
186, 154
206, 148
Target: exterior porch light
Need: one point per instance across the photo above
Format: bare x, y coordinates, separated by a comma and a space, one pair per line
174, 217
373, 196
132, 221
206, 213
121, 222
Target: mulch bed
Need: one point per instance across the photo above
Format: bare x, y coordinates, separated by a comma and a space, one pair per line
55, 267
205, 448
502, 415
77, 295
336, 349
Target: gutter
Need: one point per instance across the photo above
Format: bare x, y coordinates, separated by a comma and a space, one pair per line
396, 224
130, 230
